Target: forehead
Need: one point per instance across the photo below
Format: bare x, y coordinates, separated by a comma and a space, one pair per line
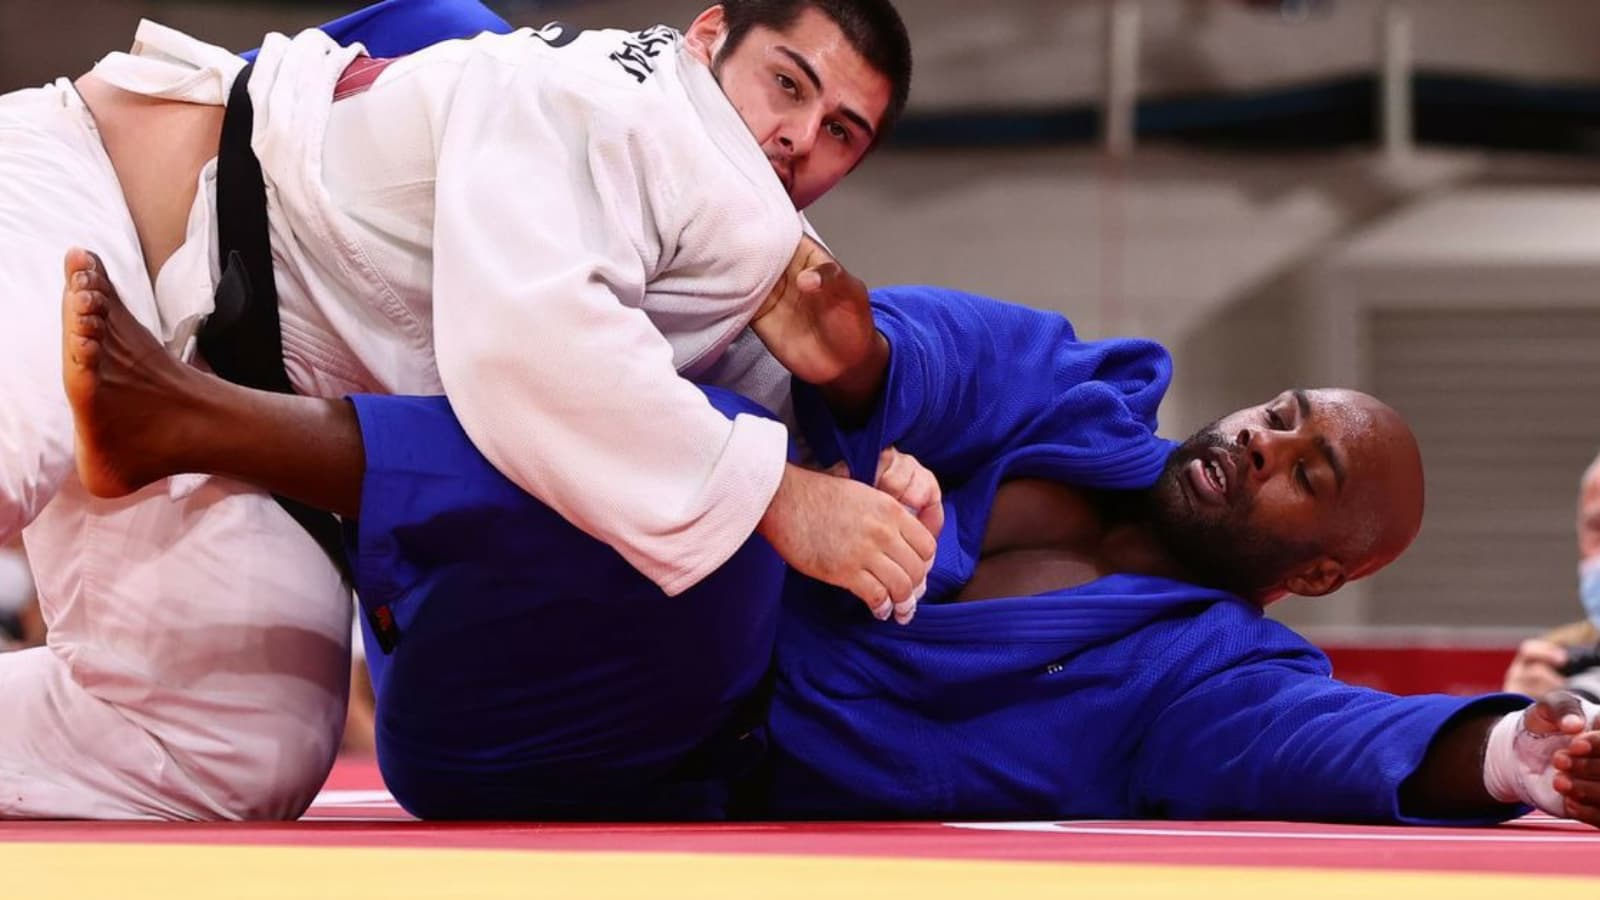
1340, 411
845, 73
1349, 423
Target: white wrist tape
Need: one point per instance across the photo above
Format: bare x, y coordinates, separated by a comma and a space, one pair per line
1517, 763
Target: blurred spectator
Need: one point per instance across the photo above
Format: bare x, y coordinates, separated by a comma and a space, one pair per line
20, 625
1569, 656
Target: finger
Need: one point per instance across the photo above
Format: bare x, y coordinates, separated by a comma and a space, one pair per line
1534, 680
1583, 812
1535, 650
814, 277
893, 576
912, 563
905, 612
1581, 767
1585, 745
1582, 790
895, 473
873, 593
918, 538
922, 488
923, 496
886, 458
1555, 712
932, 518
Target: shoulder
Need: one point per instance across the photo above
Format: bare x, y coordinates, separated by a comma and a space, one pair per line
623, 73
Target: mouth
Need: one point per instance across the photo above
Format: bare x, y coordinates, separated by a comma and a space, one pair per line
784, 174
1210, 476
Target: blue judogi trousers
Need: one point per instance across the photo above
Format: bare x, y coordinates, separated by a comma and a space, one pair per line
537, 674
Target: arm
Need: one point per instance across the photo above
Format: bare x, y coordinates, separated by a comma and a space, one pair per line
541, 259
971, 379
1276, 737
543, 247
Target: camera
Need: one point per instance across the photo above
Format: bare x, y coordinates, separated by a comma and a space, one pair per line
1581, 660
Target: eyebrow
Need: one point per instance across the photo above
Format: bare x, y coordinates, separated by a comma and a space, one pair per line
1326, 449
816, 82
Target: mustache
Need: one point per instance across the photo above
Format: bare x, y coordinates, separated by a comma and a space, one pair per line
1202, 442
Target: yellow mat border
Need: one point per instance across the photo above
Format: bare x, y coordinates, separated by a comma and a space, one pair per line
48, 871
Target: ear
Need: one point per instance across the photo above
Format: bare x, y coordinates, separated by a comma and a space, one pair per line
1323, 575
706, 34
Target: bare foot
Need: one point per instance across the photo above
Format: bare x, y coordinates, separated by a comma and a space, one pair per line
130, 398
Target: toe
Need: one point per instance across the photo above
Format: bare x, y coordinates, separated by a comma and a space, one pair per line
90, 327
85, 352
77, 260
88, 303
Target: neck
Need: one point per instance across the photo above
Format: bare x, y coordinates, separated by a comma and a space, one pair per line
1132, 549
1047, 536
1133, 546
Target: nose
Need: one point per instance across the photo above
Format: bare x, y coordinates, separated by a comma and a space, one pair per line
1264, 450
799, 135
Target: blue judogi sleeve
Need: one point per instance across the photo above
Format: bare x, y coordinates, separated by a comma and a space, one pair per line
398, 27
1276, 737
979, 389
1127, 697
973, 380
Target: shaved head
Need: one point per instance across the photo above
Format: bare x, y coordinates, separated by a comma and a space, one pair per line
1301, 494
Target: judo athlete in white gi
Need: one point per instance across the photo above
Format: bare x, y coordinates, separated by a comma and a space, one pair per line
550, 227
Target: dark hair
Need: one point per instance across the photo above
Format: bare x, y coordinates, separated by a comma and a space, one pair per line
872, 27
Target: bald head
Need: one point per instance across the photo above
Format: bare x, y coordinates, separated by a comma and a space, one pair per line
1383, 511
1589, 512
1301, 494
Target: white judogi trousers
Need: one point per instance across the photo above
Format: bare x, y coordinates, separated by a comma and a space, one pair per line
198, 656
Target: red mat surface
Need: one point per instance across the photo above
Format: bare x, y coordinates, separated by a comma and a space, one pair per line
354, 811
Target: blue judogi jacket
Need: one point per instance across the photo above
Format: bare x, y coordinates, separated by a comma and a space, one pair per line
1130, 696
398, 27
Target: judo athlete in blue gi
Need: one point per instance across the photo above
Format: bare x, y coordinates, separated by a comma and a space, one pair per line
1094, 644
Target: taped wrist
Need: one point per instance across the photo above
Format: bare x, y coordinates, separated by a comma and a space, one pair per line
1518, 764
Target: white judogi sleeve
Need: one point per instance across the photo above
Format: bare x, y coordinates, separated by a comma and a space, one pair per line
601, 221
551, 219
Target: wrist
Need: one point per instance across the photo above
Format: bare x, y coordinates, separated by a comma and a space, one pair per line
772, 519
1501, 769
851, 394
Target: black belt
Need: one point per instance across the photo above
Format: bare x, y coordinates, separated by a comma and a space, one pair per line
241, 340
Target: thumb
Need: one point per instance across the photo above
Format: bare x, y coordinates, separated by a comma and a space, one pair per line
812, 280
1555, 713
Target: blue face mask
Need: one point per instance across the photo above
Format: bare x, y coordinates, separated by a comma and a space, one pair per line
1589, 588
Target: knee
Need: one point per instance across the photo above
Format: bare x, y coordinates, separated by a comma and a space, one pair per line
30, 477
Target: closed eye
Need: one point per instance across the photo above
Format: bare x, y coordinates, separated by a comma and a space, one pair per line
1304, 478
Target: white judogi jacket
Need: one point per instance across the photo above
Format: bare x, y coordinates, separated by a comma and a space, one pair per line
548, 226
